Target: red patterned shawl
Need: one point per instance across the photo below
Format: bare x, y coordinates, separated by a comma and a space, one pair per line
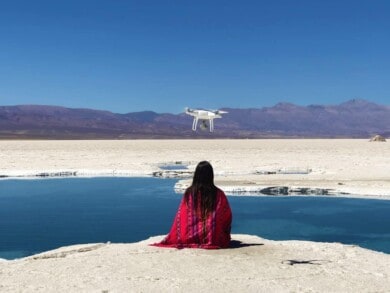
188, 229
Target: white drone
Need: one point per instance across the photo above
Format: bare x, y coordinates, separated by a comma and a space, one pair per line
204, 116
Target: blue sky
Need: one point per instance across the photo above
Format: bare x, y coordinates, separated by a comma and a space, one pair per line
126, 56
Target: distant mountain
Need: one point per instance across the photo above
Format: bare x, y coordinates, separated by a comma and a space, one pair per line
356, 118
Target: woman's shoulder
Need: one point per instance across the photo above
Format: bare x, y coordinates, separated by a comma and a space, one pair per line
188, 190
220, 192
222, 200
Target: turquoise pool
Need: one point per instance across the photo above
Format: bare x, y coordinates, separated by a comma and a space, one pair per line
43, 214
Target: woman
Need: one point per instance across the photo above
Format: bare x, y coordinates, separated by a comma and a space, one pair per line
204, 218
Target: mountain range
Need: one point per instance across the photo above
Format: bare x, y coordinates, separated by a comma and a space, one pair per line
356, 118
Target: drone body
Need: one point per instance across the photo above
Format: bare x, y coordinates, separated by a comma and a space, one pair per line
204, 116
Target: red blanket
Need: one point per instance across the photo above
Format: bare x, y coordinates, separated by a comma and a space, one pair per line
189, 230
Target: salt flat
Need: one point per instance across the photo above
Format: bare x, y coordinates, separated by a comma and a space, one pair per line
353, 166
255, 265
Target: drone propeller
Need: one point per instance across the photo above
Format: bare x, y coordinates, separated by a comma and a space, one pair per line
220, 112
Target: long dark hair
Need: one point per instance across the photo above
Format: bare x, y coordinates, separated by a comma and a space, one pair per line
203, 190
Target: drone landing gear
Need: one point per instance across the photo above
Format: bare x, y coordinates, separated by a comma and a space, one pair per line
203, 125
194, 124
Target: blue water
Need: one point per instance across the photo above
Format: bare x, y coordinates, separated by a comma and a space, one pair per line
174, 167
39, 215
363, 222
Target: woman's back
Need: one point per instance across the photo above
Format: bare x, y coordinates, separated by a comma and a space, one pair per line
191, 229
204, 216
